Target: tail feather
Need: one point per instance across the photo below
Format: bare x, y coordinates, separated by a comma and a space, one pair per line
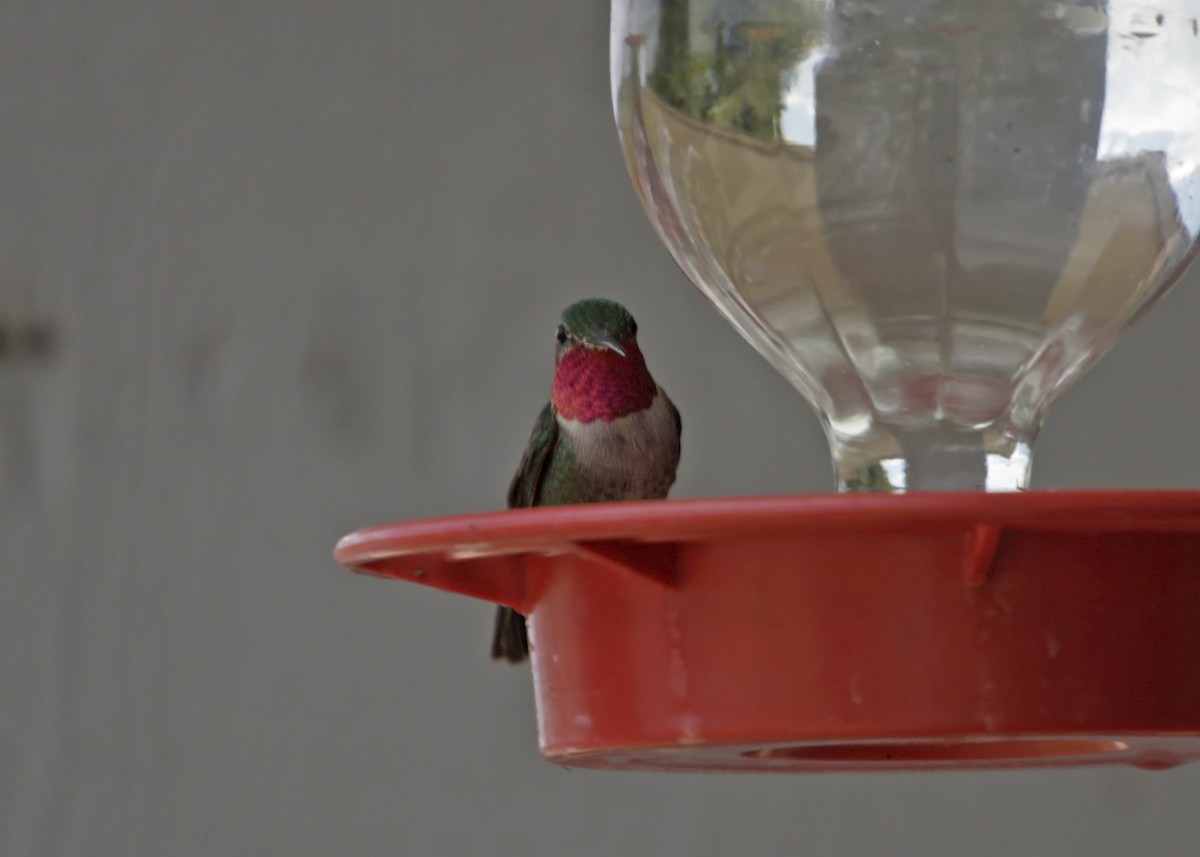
510, 642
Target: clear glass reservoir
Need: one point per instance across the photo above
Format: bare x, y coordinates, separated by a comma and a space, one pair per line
929, 215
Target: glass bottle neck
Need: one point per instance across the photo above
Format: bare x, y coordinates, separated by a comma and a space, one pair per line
938, 458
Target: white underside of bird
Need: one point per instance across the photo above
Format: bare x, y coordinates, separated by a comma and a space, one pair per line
636, 453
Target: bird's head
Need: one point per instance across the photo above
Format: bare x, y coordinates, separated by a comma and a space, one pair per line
597, 325
600, 371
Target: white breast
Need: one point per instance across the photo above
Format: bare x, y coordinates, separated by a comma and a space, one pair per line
635, 454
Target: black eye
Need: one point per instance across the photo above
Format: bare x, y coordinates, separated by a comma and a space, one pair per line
633, 327
561, 334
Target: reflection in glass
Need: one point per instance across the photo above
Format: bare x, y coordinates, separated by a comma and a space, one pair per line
930, 215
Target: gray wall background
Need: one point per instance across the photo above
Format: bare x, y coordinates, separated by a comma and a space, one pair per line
305, 260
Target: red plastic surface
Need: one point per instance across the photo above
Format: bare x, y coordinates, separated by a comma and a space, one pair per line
854, 632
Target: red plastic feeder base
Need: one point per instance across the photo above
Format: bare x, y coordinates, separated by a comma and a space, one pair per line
854, 632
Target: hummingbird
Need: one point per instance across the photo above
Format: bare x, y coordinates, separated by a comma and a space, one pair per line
608, 433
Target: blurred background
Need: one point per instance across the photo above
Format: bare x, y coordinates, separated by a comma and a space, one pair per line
270, 272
